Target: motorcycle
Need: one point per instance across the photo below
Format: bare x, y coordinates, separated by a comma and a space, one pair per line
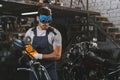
32, 64
82, 63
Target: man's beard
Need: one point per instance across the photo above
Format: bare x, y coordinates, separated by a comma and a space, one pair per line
44, 27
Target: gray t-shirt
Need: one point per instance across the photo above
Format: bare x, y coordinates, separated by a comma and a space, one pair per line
55, 40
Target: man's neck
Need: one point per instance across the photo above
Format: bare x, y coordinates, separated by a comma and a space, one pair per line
40, 28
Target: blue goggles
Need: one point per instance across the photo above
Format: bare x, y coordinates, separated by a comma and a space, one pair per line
45, 19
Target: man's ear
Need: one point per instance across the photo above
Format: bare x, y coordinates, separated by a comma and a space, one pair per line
37, 18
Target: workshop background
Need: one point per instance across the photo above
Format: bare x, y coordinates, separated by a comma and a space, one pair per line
81, 22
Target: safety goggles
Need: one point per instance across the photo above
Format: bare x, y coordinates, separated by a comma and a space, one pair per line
45, 19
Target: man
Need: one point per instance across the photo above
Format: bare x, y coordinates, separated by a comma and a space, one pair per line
47, 41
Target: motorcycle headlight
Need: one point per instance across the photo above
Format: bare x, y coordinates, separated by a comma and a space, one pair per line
17, 43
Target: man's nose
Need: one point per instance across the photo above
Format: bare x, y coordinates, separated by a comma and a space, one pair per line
45, 23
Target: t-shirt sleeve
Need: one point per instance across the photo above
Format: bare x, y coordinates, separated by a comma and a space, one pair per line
57, 39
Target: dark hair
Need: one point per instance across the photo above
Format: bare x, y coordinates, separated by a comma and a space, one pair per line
44, 11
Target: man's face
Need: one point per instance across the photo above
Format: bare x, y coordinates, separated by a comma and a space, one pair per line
44, 21
43, 26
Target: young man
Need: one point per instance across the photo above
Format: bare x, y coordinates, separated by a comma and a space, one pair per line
47, 41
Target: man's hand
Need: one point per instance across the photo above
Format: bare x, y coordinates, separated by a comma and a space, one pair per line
30, 50
32, 53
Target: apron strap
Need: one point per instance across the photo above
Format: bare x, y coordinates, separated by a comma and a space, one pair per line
34, 29
50, 29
